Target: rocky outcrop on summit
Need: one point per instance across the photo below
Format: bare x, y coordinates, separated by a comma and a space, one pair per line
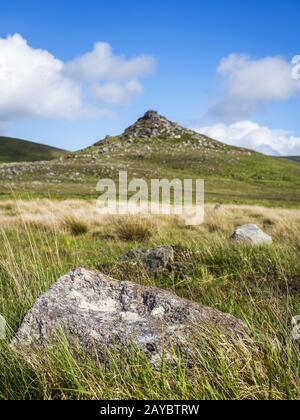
153, 135
97, 312
154, 125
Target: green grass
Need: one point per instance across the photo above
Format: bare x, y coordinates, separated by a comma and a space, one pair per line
16, 150
258, 285
232, 175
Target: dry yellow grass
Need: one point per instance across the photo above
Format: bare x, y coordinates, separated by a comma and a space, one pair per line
53, 214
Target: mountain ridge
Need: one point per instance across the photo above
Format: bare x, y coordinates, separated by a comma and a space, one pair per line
156, 148
148, 130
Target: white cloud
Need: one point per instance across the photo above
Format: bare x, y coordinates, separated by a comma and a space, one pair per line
250, 135
101, 64
250, 84
114, 79
118, 93
31, 82
35, 83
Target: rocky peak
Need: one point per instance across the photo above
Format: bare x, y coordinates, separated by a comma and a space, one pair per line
151, 115
154, 125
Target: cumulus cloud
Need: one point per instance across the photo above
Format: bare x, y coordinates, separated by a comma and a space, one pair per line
31, 82
35, 83
114, 79
250, 135
117, 93
251, 84
102, 64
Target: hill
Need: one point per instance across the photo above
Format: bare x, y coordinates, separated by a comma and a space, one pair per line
293, 158
155, 147
16, 150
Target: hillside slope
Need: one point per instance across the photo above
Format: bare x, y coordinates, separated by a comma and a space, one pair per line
16, 150
293, 158
155, 147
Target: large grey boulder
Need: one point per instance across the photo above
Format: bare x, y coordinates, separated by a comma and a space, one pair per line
156, 261
251, 234
97, 312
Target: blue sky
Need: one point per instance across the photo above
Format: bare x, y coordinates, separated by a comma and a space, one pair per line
170, 53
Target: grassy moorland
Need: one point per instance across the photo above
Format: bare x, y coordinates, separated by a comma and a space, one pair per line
231, 174
42, 240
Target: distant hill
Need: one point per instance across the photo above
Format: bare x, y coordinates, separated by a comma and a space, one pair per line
156, 148
16, 150
293, 158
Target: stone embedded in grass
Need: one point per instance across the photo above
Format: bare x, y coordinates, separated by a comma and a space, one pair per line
218, 207
100, 313
156, 261
251, 234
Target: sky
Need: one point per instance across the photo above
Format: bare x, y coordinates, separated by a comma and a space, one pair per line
73, 71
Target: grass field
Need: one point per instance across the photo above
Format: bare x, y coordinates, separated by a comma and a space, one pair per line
232, 175
43, 239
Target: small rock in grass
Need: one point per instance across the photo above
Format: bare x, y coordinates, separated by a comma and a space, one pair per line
156, 260
251, 234
218, 207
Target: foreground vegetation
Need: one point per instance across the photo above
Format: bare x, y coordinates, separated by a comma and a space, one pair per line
42, 240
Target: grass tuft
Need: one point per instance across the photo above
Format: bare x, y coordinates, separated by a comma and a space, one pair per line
133, 229
75, 226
